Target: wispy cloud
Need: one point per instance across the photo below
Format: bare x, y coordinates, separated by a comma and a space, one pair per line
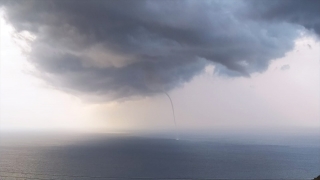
285, 67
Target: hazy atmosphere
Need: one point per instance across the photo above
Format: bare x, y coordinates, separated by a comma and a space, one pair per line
235, 71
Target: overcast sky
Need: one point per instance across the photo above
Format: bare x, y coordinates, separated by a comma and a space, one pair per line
105, 65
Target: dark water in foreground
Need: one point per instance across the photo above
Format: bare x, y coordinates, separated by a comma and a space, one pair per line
133, 157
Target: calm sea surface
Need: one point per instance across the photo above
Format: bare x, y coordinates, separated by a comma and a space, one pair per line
133, 157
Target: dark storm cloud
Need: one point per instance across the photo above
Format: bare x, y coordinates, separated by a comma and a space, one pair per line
121, 49
303, 12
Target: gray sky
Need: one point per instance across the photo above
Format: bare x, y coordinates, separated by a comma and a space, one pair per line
105, 64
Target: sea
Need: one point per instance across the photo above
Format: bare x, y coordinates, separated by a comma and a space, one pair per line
135, 157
